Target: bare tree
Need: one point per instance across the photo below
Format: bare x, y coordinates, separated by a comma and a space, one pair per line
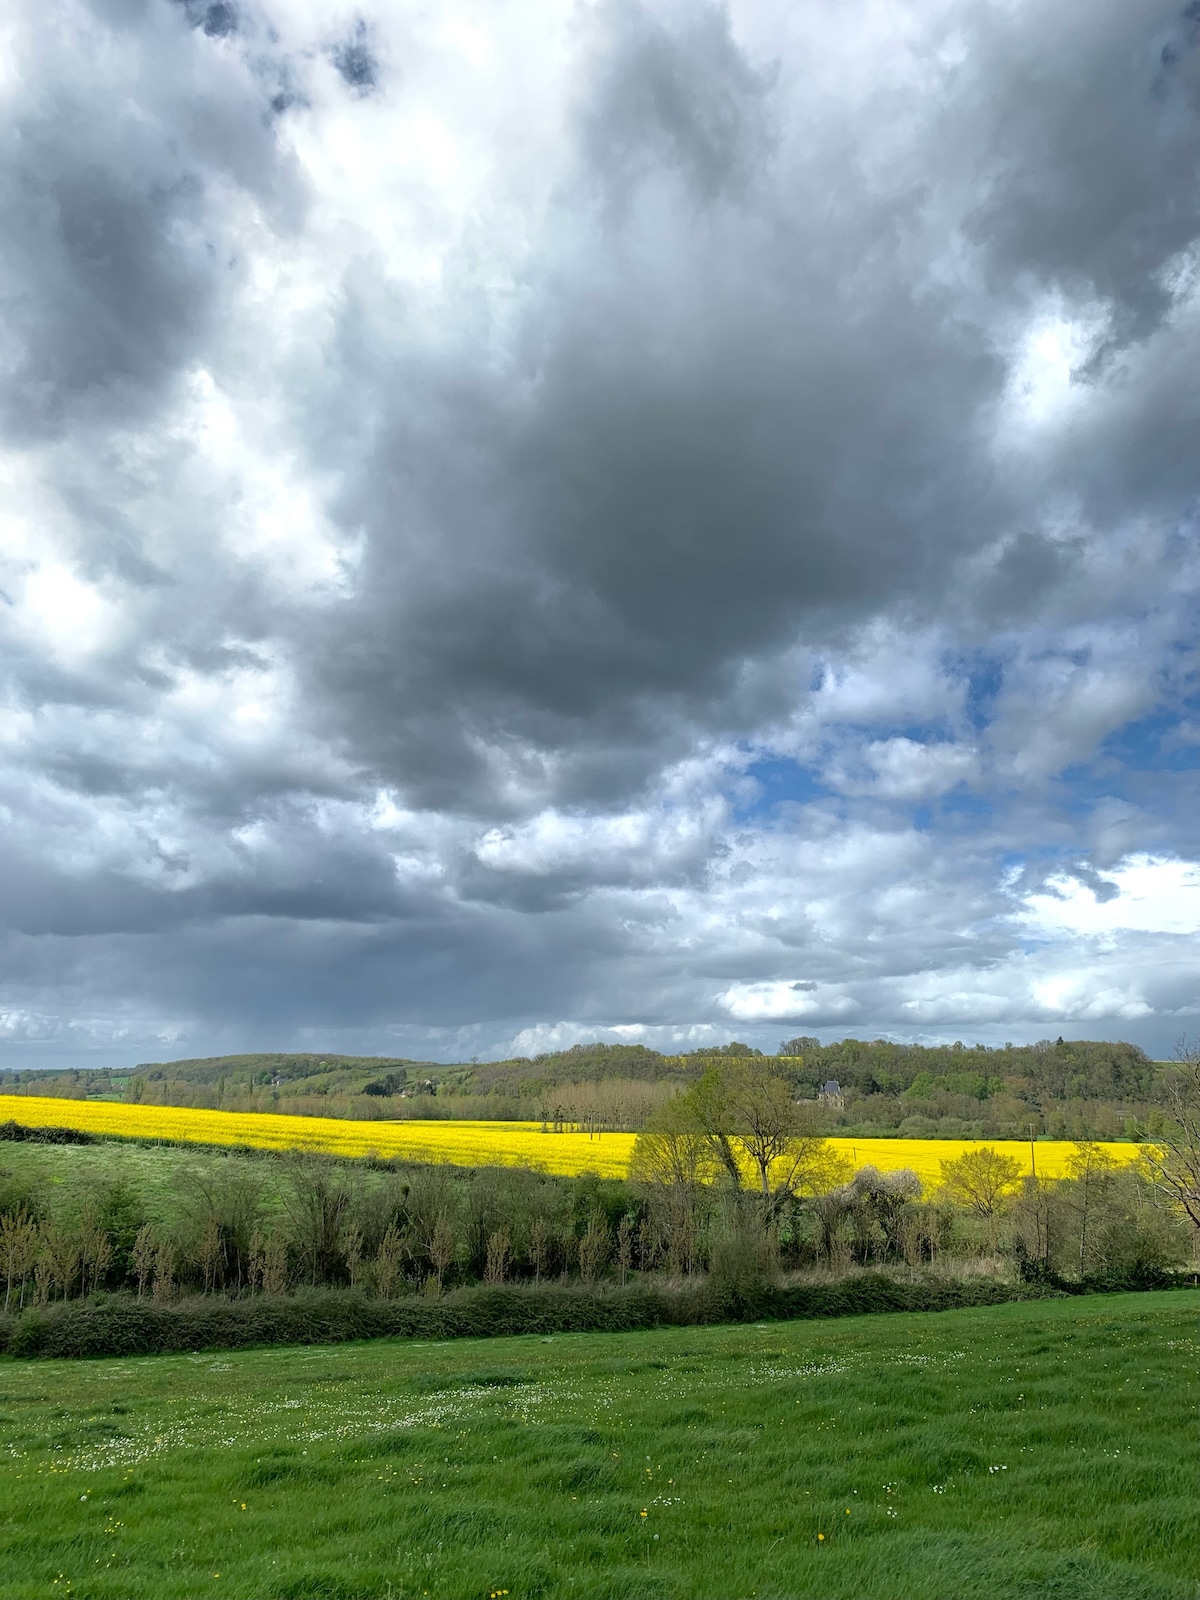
164, 1270
498, 1250
58, 1259
754, 1127
1091, 1168
774, 1133
387, 1262
429, 1206
671, 1160
318, 1199
1174, 1157
879, 1206
539, 1246
352, 1247
442, 1249
275, 1263
706, 1106
649, 1242
741, 1124
594, 1248
145, 1252
1037, 1226
210, 1255
227, 1199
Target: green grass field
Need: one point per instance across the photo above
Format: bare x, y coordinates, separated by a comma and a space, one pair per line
1043, 1449
69, 1172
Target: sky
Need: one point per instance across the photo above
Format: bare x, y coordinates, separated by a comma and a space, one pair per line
523, 523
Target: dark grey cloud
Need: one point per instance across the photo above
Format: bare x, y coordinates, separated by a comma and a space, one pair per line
745, 405
678, 96
1091, 180
511, 541
356, 62
116, 255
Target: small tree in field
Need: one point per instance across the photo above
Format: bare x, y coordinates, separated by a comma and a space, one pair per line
741, 1123
275, 1264
58, 1260
1091, 1168
539, 1247
982, 1181
352, 1247
145, 1252
625, 1231
164, 1271
18, 1251
441, 1249
499, 1248
387, 1262
210, 1255
594, 1249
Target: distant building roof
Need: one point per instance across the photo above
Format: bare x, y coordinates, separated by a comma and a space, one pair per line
832, 1087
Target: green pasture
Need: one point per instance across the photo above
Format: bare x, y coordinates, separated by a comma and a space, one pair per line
67, 1174
1038, 1449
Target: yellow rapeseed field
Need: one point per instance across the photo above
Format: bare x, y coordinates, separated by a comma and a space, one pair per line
925, 1156
466, 1144
472, 1144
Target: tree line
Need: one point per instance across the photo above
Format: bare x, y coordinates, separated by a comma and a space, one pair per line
733, 1178
1086, 1089
736, 1164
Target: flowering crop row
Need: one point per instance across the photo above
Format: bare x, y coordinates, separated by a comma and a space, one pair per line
468, 1144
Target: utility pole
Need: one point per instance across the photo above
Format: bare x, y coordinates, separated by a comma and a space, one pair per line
1032, 1155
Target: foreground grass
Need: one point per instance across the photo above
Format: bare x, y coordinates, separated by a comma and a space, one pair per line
1024, 1450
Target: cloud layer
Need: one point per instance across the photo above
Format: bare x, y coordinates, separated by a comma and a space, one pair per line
651, 520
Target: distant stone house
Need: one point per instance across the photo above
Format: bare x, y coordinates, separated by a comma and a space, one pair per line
830, 1094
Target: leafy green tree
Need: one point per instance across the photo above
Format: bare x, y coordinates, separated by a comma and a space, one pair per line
775, 1133
671, 1161
981, 1180
318, 1199
743, 1116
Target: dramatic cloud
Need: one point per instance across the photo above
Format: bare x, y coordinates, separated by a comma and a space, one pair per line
645, 520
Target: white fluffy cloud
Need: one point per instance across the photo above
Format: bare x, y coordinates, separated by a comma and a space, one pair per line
1141, 894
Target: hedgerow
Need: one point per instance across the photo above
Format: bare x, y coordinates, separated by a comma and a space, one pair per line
120, 1325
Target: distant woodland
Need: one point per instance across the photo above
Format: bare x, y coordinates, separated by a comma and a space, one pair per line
1077, 1089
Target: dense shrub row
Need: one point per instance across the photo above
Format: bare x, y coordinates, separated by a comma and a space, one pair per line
18, 1133
120, 1325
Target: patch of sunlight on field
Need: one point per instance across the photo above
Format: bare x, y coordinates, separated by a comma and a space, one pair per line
472, 1144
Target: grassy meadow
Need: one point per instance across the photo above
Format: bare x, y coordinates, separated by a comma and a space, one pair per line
1039, 1449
